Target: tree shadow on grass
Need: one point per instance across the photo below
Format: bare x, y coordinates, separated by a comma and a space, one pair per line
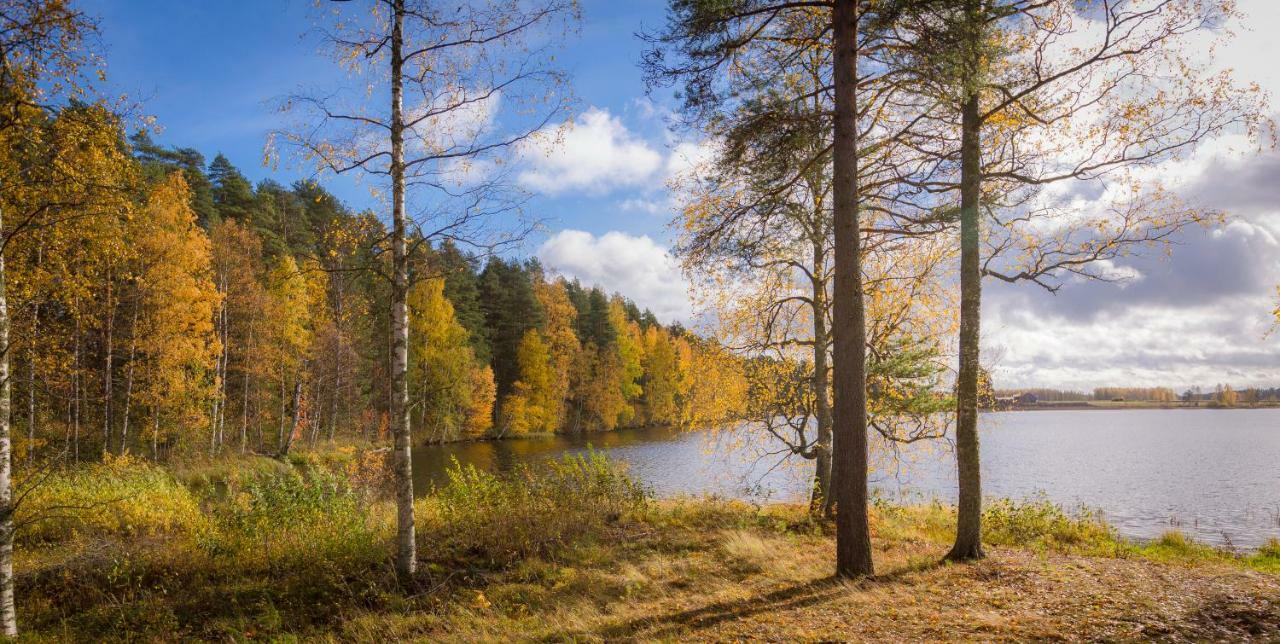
799, 595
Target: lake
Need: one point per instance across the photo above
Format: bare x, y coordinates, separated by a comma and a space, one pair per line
1213, 474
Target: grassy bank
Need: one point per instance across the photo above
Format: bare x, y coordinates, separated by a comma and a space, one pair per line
256, 549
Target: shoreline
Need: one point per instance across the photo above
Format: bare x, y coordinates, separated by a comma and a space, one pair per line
536, 435
1109, 406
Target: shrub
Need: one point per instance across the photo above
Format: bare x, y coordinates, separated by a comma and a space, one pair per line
295, 516
1043, 524
219, 479
1267, 558
1270, 549
121, 496
500, 519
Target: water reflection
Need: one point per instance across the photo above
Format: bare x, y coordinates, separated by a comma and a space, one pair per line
1212, 474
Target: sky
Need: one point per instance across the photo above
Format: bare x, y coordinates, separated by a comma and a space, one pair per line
212, 74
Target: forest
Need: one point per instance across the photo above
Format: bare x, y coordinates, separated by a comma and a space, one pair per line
214, 393
226, 316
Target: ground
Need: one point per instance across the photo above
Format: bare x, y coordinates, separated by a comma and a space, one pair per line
757, 584
258, 550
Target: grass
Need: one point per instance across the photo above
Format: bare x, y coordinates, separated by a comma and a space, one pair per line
251, 548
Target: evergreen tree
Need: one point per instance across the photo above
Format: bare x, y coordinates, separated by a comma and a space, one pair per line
232, 194
510, 309
158, 162
462, 287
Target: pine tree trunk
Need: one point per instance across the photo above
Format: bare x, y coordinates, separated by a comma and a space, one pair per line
968, 543
8, 607
853, 533
406, 546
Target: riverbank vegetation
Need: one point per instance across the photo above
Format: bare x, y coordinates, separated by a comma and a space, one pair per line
250, 547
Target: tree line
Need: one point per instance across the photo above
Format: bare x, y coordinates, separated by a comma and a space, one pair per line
1221, 393
194, 311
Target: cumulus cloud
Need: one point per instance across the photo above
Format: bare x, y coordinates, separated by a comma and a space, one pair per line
635, 266
1199, 316
595, 153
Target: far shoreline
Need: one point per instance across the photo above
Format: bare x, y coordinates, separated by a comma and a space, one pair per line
1109, 406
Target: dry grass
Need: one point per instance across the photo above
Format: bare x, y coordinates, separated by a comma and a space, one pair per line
714, 571
609, 566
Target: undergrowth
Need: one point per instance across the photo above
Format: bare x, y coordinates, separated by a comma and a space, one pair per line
251, 547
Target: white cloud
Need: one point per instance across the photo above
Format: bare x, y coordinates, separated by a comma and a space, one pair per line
1201, 317
635, 266
595, 153
1150, 345
655, 207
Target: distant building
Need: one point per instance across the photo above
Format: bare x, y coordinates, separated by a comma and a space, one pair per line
1027, 398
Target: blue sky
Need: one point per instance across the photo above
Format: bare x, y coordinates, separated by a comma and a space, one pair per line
209, 71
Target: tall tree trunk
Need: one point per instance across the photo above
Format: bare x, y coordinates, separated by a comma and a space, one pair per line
821, 501
968, 543
220, 411
297, 417
406, 546
31, 379
283, 402
75, 391
853, 533
337, 390
109, 331
8, 608
155, 432
31, 365
128, 387
244, 399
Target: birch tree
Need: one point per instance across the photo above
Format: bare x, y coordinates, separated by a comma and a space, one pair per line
419, 121
44, 47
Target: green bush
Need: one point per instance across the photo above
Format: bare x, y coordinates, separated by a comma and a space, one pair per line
1042, 524
1270, 549
122, 496
499, 519
295, 516
218, 479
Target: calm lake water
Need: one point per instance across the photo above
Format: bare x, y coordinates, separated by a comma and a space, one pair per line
1214, 474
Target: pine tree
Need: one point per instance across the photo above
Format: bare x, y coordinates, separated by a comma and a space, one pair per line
231, 192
